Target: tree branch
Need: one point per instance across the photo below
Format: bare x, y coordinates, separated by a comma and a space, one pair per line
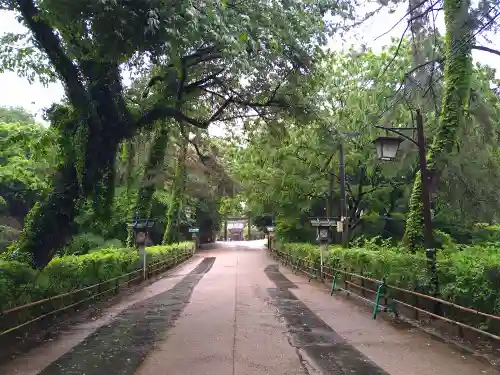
203, 158
202, 81
410, 11
396, 53
486, 49
50, 43
440, 61
204, 54
423, 14
220, 110
160, 111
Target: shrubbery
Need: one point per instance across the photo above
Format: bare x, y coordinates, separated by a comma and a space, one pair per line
86, 242
20, 284
469, 277
479, 233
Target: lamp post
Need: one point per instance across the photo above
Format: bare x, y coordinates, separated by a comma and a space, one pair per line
270, 235
271, 229
140, 229
323, 230
387, 149
193, 230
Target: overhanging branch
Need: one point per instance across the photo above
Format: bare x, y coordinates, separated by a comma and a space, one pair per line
50, 43
203, 158
486, 49
159, 112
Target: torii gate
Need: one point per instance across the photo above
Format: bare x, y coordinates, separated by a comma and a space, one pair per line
237, 222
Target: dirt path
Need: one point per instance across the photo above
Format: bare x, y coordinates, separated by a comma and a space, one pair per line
233, 311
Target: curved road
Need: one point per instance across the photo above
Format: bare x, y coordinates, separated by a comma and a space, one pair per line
232, 311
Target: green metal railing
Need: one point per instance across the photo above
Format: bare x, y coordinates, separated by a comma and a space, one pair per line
382, 294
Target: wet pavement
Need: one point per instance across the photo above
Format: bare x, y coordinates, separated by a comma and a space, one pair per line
122, 345
233, 310
329, 351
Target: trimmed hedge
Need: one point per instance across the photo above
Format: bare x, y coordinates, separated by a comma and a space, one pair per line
20, 284
470, 277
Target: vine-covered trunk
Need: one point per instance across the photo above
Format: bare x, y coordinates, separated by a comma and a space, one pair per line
457, 79
51, 222
176, 199
129, 150
155, 163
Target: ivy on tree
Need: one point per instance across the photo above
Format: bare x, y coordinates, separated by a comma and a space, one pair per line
196, 51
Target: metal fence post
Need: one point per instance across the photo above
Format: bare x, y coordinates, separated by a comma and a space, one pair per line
346, 285
143, 257
334, 283
380, 292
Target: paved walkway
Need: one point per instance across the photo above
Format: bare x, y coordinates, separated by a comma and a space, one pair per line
232, 310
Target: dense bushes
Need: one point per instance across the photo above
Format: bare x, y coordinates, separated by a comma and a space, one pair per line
293, 230
470, 277
478, 233
20, 284
85, 242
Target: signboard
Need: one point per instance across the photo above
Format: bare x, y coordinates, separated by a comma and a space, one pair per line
194, 230
340, 227
323, 223
270, 229
235, 225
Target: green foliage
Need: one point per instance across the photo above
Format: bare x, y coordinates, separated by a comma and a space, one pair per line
83, 243
3, 206
20, 284
292, 230
16, 115
456, 94
468, 277
155, 163
463, 234
177, 198
291, 167
27, 158
7, 236
231, 206
56, 214
115, 225
294, 170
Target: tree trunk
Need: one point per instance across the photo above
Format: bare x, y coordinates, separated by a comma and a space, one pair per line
176, 199
155, 164
50, 223
457, 78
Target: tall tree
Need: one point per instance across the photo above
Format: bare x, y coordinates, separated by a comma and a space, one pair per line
200, 51
457, 81
12, 115
177, 196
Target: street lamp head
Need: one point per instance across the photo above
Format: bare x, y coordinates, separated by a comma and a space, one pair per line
387, 147
141, 229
